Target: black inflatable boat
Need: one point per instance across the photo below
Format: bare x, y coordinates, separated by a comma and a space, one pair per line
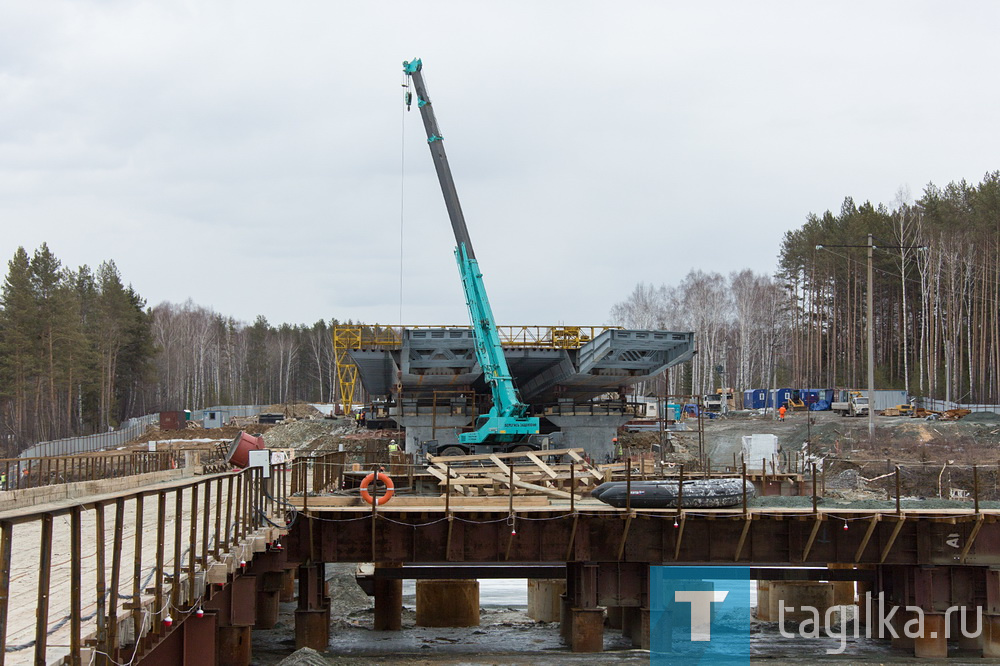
698, 493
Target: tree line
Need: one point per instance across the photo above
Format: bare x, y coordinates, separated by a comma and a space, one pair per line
80, 353
75, 349
935, 289
935, 292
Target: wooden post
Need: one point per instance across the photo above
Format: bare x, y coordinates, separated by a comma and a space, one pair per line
680, 488
75, 603
116, 571
572, 486
101, 570
814, 487
975, 487
897, 491
44, 574
175, 583
744, 488
161, 528
137, 612
193, 544
628, 484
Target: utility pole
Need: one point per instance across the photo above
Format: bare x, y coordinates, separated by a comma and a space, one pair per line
871, 323
871, 346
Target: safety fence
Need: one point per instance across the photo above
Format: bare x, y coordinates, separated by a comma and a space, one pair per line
946, 405
64, 573
128, 431
22, 473
104, 440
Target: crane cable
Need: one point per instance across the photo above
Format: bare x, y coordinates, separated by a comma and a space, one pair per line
408, 96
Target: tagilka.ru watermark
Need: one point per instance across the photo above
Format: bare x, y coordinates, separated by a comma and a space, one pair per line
704, 615
880, 622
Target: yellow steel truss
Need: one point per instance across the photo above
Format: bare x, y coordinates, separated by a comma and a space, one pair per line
351, 337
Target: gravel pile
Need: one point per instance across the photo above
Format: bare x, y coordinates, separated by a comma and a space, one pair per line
299, 434
982, 417
304, 657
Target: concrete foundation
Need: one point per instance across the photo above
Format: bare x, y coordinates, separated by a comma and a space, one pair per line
796, 594
447, 603
233, 646
764, 601
593, 433
587, 629
843, 590
444, 428
544, 598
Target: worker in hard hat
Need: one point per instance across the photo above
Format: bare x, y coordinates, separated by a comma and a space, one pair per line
393, 446
618, 449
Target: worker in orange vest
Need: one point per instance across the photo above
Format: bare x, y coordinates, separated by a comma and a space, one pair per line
781, 412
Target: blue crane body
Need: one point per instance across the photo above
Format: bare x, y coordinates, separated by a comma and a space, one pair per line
507, 425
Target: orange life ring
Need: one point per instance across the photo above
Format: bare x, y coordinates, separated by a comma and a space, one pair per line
384, 478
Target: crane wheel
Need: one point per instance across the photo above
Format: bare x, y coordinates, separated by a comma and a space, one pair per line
452, 451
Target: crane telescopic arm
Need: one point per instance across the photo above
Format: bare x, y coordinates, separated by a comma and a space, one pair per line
507, 420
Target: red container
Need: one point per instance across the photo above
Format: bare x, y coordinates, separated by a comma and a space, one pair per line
172, 421
240, 448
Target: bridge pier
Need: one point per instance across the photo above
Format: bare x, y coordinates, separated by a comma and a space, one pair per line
233, 646
287, 585
582, 619
312, 617
990, 638
268, 593
388, 601
937, 597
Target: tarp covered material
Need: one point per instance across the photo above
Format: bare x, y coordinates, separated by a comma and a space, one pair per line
758, 449
820, 406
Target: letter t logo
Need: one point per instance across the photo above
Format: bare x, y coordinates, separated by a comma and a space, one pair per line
701, 610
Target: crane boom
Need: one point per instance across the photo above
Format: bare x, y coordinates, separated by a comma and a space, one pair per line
508, 419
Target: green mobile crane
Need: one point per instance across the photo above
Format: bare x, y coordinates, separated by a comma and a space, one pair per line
507, 426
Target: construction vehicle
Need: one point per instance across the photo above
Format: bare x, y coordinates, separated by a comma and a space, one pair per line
899, 410
507, 427
851, 403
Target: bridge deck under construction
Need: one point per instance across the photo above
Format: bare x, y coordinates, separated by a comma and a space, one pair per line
177, 571
548, 363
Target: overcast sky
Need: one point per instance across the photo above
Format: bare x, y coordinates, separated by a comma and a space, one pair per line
256, 156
